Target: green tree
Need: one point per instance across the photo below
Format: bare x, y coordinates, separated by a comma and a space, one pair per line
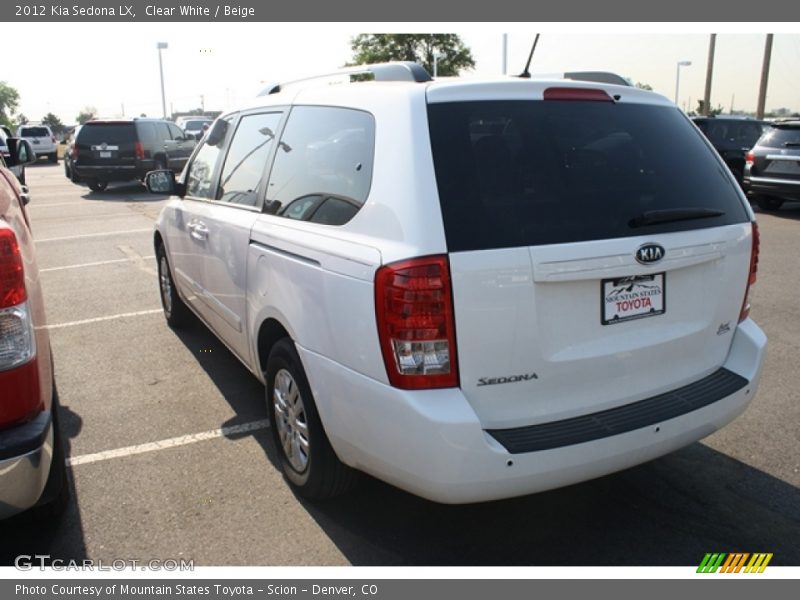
55, 124
21, 120
88, 113
701, 105
416, 47
9, 99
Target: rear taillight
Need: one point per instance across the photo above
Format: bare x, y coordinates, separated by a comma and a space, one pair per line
138, 150
74, 151
751, 277
749, 158
53, 139
12, 275
19, 379
416, 328
568, 93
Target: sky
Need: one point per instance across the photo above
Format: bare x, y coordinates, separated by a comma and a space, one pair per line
114, 68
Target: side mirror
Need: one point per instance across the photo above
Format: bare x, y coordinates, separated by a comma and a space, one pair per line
20, 152
163, 182
216, 133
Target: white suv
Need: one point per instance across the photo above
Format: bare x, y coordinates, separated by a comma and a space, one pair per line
469, 289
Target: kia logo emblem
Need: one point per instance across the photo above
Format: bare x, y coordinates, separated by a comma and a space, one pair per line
650, 253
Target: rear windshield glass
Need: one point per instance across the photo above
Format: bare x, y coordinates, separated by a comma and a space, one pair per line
519, 173
781, 137
97, 133
195, 125
731, 132
35, 132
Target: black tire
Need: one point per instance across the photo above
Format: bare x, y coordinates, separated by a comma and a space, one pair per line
97, 186
769, 203
159, 164
308, 461
175, 311
54, 157
55, 497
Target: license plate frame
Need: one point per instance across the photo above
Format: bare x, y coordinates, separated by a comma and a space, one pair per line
633, 297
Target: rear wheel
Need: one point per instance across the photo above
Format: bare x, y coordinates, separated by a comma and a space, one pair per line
769, 202
54, 157
97, 186
175, 311
307, 458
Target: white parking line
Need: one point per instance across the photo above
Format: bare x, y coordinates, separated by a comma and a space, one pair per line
183, 440
108, 318
88, 235
96, 264
35, 204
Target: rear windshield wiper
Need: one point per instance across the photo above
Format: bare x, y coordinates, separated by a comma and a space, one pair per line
670, 215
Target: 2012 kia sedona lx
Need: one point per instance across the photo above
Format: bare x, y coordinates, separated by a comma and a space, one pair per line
469, 289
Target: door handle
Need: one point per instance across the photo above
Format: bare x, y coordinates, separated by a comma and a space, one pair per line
198, 231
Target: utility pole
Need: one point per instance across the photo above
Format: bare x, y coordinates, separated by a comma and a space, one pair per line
505, 54
762, 92
709, 73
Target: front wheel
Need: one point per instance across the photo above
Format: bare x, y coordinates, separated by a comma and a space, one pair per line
98, 186
175, 311
307, 458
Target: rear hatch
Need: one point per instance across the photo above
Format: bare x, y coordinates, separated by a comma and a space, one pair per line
599, 250
777, 154
106, 143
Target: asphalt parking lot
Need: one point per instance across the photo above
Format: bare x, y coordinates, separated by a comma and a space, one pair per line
171, 457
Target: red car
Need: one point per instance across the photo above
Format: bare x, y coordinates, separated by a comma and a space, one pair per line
32, 466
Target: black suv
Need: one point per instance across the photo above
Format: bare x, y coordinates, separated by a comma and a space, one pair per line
732, 138
772, 170
125, 150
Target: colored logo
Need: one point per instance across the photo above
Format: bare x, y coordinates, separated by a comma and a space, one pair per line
734, 563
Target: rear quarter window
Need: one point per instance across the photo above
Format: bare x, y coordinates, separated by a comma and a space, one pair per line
324, 153
526, 173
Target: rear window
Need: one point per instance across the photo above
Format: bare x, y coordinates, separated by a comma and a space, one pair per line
97, 133
35, 132
781, 137
519, 173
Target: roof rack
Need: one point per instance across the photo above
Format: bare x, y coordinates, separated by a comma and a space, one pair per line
391, 71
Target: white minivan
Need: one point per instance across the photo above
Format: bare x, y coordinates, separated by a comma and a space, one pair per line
469, 289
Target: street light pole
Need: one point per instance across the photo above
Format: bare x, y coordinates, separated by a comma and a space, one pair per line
436, 56
162, 46
681, 63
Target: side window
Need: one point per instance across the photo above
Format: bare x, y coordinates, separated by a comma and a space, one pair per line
162, 131
323, 152
147, 133
247, 157
176, 132
199, 182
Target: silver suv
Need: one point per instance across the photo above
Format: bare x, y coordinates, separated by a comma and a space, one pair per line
469, 289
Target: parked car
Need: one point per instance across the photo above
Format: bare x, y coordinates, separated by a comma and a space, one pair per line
195, 127
69, 149
32, 465
471, 290
732, 137
18, 169
772, 169
125, 150
42, 139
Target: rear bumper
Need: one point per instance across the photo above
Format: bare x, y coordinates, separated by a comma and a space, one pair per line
26, 453
42, 149
112, 173
432, 444
785, 188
